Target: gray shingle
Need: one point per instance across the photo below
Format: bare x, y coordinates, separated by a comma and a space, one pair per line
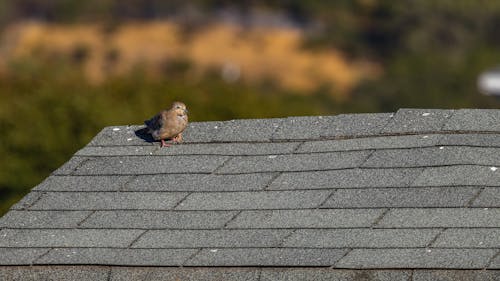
294, 162
418, 120
108, 200
360, 238
229, 149
347, 178
201, 131
459, 175
247, 130
111, 256
318, 218
266, 257
27, 201
24, 238
13, 256
450, 275
183, 274
441, 217
401, 197
469, 238
199, 182
254, 200
489, 197
43, 219
132, 165
321, 274
83, 183
70, 166
119, 136
416, 258
51, 273
116, 150
495, 263
210, 238
355, 124
474, 120
385, 142
299, 128
484, 140
158, 219
434, 156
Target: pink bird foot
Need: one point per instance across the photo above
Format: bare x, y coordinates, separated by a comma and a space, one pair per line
164, 144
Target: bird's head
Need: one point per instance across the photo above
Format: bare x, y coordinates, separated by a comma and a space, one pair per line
179, 107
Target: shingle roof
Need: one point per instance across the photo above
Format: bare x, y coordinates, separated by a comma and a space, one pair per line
412, 195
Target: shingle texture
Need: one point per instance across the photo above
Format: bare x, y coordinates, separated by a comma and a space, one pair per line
411, 195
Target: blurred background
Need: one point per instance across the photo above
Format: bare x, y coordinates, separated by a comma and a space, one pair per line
69, 67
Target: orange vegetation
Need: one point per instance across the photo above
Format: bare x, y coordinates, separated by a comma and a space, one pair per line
251, 54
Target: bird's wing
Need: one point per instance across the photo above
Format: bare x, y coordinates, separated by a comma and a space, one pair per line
156, 122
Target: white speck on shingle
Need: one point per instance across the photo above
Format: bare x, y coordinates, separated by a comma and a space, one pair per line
121, 162
481, 243
215, 127
493, 168
129, 139
272, 156
428, 250
426, 114
213, 250
441, 147
116, 129
151, 153
424, 137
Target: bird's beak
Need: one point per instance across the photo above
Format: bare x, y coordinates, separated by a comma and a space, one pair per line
186, 111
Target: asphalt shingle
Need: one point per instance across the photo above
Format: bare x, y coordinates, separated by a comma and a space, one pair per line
469, 238
355, 124
360, 238
386, 142
401, 197
49, 273
294, 162
113, 256
158, 219
36, 238
266, 257
346, 178
211, 238
108, 200
466, 175
136, 165
199, 182
43, 219
13, 256
321, 274
230, 149
417, 121
183, 274
317, 218
489, 197
416, 258
407, 196
254, 200
474, 120
83, 183
441, 217
434, 156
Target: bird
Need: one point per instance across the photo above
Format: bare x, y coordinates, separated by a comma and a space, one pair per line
168, 124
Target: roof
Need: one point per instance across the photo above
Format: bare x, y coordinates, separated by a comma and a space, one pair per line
411, 195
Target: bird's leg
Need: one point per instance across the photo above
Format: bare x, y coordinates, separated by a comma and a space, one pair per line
164, 144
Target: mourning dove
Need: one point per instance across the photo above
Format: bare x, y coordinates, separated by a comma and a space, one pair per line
168, 124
